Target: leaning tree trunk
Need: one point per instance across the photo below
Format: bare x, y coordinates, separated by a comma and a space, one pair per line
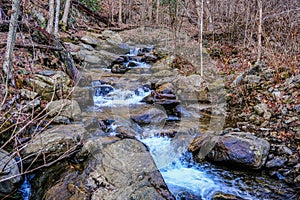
11, 38
66, 14
49, 28
57, 17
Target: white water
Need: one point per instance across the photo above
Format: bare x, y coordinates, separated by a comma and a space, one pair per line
182, 176
120, 97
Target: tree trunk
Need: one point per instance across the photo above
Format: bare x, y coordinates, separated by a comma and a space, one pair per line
157, 11
66, 13
11, 38
56, 25
150, 10
199, 7
259, 30
49, 28
120, 12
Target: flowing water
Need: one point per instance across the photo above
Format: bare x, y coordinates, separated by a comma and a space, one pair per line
185, 178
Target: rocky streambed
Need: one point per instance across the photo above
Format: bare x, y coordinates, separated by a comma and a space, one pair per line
143, 124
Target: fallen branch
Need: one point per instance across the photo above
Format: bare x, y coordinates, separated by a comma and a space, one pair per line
32, 46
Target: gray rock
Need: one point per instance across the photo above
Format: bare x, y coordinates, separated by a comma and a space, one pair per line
276, 162
252, 79
55, 142
64, 107
236, 147
84, 97
261, 108
152, 116
10, 174
87, 39
191, 88
51, 87
112, 37
284, 150
28, 94
237, 80
31, 105
116, 169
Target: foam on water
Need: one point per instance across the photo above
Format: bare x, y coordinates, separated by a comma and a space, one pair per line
181, 175
120, 97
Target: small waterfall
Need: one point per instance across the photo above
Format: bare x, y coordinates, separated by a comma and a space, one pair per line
184, 176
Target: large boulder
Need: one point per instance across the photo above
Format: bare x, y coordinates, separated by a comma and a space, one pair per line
116, 169
191, 88
153, 116
66, 108
54, 143
10, 174
51, 87
238, 148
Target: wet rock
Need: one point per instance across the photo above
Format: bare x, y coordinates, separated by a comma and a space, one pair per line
119, 69
54, 143
116, 169
152, 116
223, 196
236, 147
276, 162
9, 171
65, 108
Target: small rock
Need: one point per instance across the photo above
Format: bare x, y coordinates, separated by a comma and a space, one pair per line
276, 162
31, 105
290, 120
297, 180
223, 196
153, 116
260, 108
293, 160
283, 150
28, 94
89, 40
252, 79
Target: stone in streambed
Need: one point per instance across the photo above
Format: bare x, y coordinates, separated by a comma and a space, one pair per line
152, 116
236, 147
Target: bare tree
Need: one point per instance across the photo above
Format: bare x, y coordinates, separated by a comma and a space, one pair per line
150, 7
157, 11
56, 25
120, 12
49, 28
11, 38
259, 30
199, 8
66, 13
